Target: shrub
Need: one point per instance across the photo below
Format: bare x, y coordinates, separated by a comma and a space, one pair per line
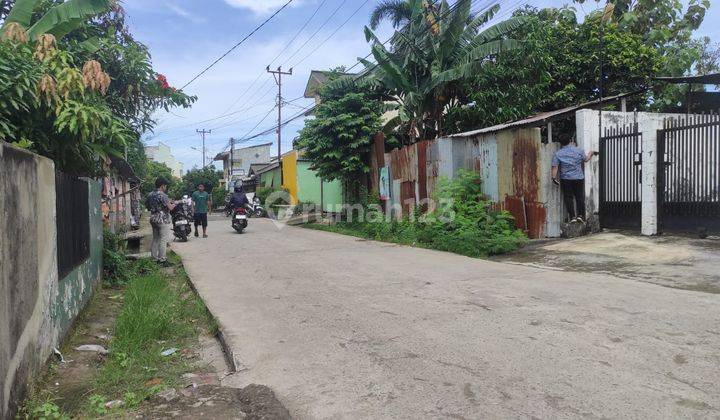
464, 223
263, 193
116, 269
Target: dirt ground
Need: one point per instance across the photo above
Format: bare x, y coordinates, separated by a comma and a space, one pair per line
198, 394
680, 262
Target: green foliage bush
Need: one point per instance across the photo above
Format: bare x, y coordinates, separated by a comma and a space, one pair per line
116, 269
278, 199
464, 223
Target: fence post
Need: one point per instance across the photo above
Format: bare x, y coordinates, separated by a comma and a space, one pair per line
649, 218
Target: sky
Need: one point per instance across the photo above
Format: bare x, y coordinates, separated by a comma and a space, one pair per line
185, 36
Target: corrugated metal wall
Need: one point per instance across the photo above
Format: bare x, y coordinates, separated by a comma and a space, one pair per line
512, 165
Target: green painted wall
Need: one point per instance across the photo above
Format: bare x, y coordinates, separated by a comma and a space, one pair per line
75, 289
270, 178
309, 188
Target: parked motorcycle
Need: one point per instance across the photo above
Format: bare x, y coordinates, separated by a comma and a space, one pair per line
239, 219
228, 208
256, 208
181, 216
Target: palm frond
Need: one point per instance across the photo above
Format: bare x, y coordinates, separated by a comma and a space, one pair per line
397, 11
67, 16
21, 12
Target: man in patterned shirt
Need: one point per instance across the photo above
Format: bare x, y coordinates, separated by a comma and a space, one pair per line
160, 207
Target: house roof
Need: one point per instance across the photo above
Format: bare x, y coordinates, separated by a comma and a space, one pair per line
124, 169
318, 78
543, 117
705, 79
267, 167
223, 155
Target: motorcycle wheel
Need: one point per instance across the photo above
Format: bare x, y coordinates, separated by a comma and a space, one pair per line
182, 235
259, 213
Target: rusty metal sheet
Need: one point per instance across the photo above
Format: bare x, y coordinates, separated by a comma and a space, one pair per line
525, 161
404, 163
407, 196
422, 169
530, 217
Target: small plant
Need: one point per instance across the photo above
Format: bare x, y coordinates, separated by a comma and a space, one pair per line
48, 411
96, 403
116, 268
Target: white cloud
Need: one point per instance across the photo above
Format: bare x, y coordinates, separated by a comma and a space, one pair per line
184, 13
260, 7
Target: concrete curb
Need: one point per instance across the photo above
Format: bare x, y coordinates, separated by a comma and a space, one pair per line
219, 334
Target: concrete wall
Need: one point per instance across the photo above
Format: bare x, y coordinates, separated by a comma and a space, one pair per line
36, 308
312, 189
588, 138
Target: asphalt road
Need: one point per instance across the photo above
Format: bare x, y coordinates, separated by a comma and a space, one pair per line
345, 328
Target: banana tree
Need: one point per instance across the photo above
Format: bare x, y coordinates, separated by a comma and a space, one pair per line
439, 47
59, 20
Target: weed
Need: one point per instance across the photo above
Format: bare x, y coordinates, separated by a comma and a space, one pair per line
47, 411
467, 226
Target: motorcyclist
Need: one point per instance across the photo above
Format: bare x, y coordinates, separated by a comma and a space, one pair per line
238, 199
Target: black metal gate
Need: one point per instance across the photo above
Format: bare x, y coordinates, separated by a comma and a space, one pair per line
620, 177
688, 178
73, 222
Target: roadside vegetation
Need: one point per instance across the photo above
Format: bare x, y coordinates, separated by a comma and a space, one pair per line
154, 320
464, 222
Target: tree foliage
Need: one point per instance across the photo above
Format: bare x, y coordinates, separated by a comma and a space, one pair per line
154, 170
82, 95
208, 176
441, 46
556, 66
338, 139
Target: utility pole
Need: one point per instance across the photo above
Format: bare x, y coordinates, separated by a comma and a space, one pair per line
277, 75
202, 133
232, 160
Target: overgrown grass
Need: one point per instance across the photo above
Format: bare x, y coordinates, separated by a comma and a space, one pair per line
159, 312
464, 223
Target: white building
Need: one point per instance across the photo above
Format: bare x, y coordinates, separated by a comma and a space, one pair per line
242, 159
162, 154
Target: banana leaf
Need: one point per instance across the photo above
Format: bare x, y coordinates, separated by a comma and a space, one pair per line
65, 17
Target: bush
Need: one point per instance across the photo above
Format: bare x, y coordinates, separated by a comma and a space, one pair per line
277, 200
116, 269
464, 223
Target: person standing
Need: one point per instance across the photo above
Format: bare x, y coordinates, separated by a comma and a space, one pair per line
160, 207
568, 164
201, 201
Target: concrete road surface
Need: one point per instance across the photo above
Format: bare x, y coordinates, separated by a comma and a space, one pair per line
344, 328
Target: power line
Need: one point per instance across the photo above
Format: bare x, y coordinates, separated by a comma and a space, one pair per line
331, 35
237, 45
307, 22
315, 33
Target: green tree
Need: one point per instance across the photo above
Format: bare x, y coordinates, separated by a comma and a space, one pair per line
208, 176
77, 114
153, 171
398, 12
556, 66
439, 47
338, 139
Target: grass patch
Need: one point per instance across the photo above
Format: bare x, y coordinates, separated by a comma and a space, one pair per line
159, 311
464, 223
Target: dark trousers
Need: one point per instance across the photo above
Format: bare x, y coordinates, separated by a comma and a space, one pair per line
574, 193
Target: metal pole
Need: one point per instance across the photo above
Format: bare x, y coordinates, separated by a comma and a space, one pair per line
277, 75
232, 162
202, 133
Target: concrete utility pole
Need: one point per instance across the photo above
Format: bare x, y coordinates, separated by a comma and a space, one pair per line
202, 133
232, 159
278, 74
